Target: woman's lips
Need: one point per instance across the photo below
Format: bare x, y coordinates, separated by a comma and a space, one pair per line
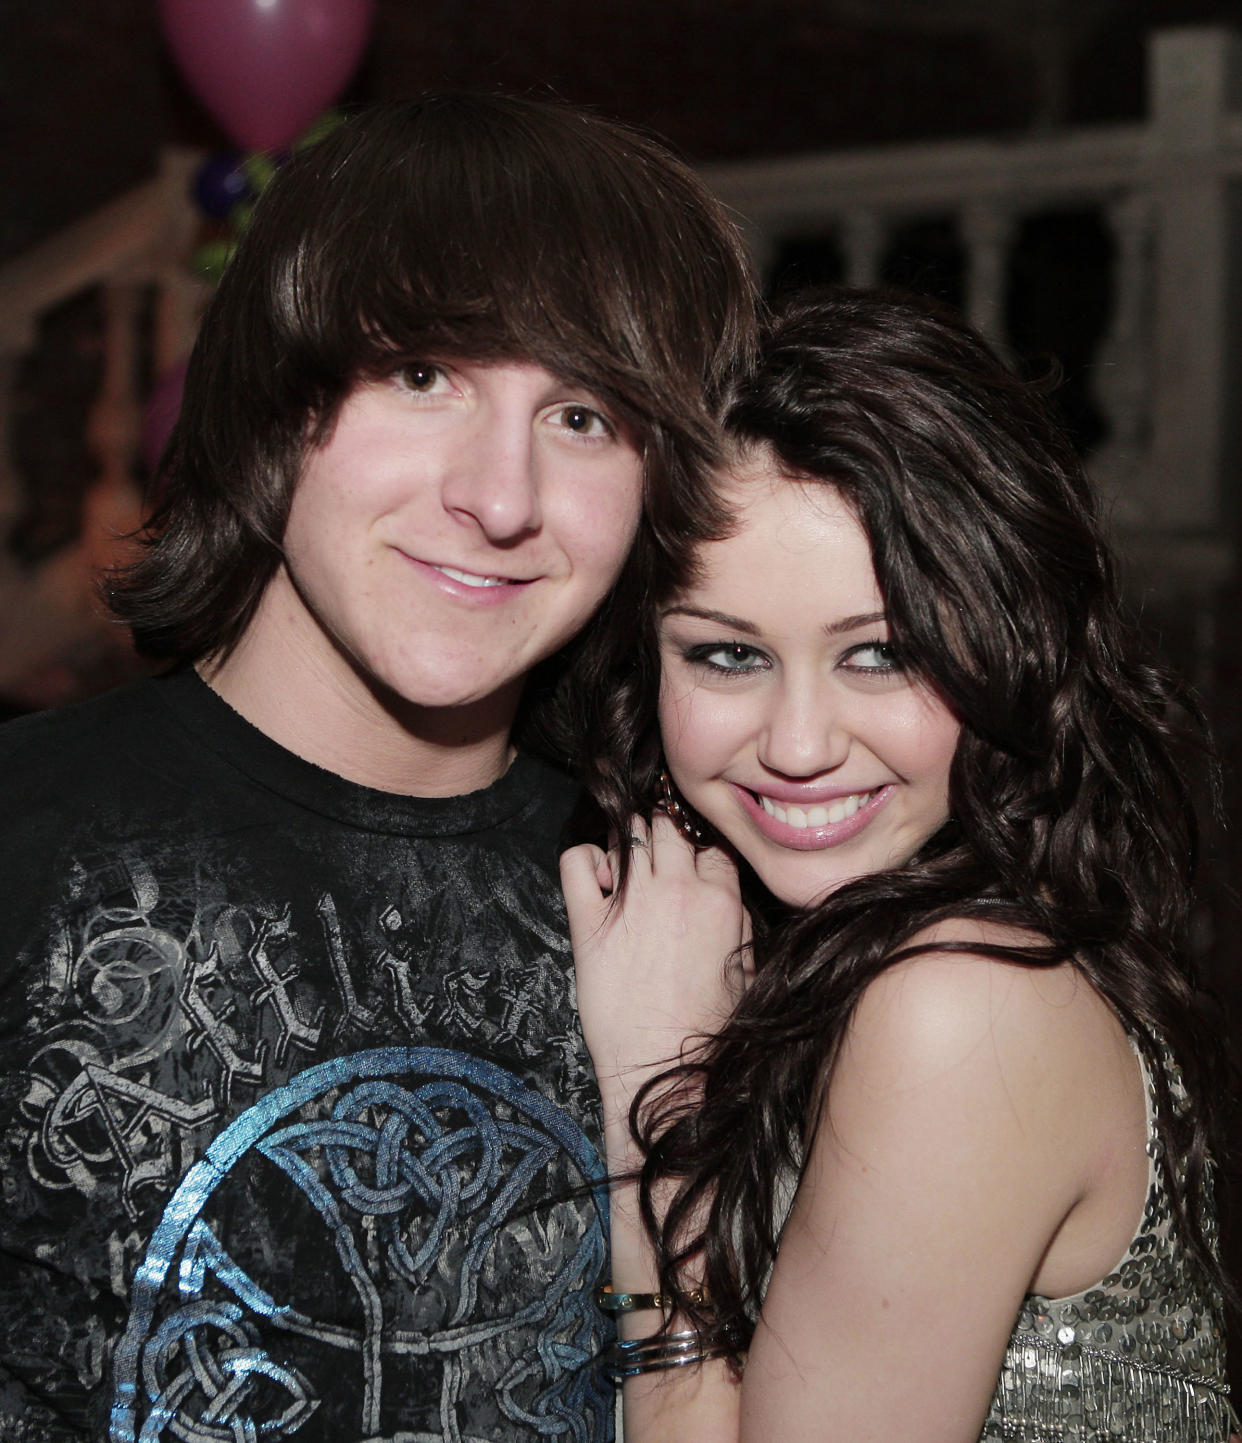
810, 827
470, 578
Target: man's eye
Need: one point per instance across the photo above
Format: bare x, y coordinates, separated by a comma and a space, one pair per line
420, 377
583, 421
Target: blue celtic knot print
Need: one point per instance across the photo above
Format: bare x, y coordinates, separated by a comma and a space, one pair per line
398, 1244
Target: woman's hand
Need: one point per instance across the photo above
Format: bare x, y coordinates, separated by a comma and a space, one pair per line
659, 967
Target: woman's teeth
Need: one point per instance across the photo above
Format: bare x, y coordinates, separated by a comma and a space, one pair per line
842, 808
468, 578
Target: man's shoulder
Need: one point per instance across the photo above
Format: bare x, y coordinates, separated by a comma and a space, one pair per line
117, 704
550, 785
83, 736
551, 799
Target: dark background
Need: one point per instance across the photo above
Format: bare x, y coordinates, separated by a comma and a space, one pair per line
89, 96
88, 93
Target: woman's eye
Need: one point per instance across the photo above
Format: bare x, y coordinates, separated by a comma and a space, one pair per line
732, 656
877, 656
421, 377
583, 421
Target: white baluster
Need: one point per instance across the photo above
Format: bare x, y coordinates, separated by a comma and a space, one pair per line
10, 486
115, 420
862, 239
763, 244
47, 608
180, 294
113, 507
986, 230
1122, 374
1198, 240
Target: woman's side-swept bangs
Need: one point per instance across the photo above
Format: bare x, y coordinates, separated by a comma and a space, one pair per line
978, 513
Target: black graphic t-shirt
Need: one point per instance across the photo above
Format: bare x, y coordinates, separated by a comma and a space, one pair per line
299, 1134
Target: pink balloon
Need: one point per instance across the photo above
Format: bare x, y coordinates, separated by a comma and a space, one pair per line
160, 414
266, 68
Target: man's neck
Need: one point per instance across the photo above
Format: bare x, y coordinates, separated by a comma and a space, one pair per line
333, 717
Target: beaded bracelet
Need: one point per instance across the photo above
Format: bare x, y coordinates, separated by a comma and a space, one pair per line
609, 1301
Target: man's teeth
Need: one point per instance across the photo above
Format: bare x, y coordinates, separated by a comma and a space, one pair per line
842, 808
468, 578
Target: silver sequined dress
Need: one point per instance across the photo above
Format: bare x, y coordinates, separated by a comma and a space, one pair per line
1138, 1358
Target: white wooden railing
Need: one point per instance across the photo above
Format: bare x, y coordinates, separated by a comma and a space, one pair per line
1167, 189
136, 252
1165, 377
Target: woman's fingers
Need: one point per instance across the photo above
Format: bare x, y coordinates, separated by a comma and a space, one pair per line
586, 879
639, 849
605, 872
714, 864
717, 868
670, 850
657, 966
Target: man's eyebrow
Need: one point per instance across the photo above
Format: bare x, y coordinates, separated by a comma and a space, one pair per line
721, 618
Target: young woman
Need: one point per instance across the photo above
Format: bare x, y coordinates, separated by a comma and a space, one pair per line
941, 1171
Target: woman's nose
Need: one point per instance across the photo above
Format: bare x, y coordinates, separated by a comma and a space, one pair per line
804, 733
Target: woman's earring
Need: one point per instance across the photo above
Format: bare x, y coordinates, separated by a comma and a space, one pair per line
678, 810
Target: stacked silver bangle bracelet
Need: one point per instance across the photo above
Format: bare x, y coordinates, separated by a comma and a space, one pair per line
632, 1357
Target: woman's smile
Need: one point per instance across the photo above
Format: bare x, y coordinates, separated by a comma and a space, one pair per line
788, 720
809, 826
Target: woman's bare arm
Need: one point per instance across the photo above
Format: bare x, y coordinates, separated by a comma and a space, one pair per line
984, 1129
982, 1123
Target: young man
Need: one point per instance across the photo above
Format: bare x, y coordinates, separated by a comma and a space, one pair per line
299, 1132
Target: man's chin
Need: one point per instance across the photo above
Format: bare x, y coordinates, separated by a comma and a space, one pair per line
465, 703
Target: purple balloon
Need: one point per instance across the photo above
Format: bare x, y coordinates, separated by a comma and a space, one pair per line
160, 415
219, 183
266, 68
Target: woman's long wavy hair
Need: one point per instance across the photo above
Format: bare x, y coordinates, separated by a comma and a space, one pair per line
1069, 807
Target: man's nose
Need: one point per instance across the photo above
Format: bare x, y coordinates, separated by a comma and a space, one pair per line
494, 480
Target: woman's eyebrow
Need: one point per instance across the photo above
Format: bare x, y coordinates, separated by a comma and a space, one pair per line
736, 623
854, 623
721, 618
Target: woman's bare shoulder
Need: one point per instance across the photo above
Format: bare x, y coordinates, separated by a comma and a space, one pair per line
1007, 1023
